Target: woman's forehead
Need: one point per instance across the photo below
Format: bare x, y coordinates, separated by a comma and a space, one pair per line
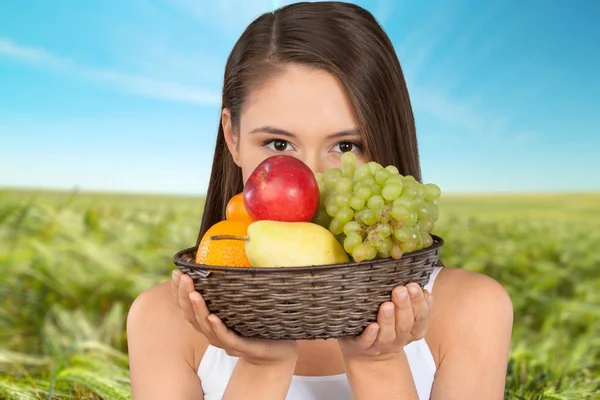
300, 99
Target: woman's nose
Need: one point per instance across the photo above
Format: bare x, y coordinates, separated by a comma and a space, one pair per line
314, 162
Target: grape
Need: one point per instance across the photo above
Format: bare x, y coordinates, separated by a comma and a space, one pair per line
353, 227
352, 240
375, 202
400, 213
385, 246
336, 226
364, 251
381, 255
363, 192
332, 209
357, 203
348, 171
428, 226
423, 212
374, 167
412, 220
368, 181
427, 240
396, 252
393, 169
344, 185
374, 211
391, 191
435, 212
384, 230
322, 218
369, 217
381, 176
410, 191
375, 189
404, 201
432, 191
401, 234
348, 158
341, 200
409, 245
362, 171
320, 181
395, 178
332, 176
345, 215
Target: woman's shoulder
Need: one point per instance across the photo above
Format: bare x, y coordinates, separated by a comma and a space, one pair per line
470, 290
154, 320
470, 311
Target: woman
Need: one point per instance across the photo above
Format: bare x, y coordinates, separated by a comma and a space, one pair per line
315, 80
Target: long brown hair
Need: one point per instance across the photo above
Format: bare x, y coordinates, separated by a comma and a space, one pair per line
341, 38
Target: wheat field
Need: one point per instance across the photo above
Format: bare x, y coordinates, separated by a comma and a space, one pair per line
72, 264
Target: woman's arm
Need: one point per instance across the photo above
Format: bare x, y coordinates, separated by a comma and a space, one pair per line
471, 323
386, 380
475, 325
259, 382
161, 350
161, 355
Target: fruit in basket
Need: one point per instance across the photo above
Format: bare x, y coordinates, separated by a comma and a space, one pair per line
225, 253
281, 188
236, 210
375, 211
289, 244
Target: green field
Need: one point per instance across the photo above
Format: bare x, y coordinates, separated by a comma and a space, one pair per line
73, 263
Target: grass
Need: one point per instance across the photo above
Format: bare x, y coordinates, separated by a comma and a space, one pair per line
73, 263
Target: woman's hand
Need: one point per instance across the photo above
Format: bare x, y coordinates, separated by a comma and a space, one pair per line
399, 322
257, 352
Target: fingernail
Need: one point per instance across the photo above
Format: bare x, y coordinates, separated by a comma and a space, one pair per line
387, 311
430, 299
193, 297
374, 331
413, 290
401, 294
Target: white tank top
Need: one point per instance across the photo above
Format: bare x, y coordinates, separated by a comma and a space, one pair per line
216, 369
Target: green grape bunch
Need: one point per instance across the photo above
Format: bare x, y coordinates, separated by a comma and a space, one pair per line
374, 211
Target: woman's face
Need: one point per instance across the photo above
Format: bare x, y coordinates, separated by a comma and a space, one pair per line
301, 112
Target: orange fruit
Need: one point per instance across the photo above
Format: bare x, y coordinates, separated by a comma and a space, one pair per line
236, 210
224, 253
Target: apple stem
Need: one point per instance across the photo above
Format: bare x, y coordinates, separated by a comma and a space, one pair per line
229, 237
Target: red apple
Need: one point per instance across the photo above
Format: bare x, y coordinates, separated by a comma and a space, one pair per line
282, 188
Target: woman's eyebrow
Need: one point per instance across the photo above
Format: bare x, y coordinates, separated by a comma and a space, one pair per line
283, 132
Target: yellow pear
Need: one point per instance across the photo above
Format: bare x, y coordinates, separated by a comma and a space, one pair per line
290, 244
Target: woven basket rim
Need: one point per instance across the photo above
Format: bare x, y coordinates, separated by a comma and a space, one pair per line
178, 260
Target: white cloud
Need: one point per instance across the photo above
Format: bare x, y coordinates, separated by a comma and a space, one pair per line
126, 82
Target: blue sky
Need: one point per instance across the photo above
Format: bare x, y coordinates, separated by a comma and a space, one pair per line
124, 94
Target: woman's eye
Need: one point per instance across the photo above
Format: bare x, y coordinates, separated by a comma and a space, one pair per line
278, 145
345, 147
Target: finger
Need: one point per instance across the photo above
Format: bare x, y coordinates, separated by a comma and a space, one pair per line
186, 287
175, 277
366, 339
229, 341
386, 320
201, 312
403, 315
420, 311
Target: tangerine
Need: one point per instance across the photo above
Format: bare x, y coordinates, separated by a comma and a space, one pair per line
236, 210
224, 253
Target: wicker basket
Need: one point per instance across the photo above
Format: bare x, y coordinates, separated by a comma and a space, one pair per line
304, 303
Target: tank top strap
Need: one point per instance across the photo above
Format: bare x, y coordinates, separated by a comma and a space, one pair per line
434, 273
